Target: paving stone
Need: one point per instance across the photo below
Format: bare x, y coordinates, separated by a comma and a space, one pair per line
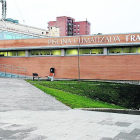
123, 124
135, 131
125, 136
27, 113
24, 96
106, 138
87, 137
108, 133
6, 133
107, 122
138, 137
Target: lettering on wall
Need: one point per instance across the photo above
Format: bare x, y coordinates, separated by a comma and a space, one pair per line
132, 38
59, 41
100, 40
94, 40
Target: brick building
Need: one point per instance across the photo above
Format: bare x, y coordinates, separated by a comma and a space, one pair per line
69, 27
110, 57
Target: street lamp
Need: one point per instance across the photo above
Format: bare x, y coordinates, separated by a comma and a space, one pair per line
78, 60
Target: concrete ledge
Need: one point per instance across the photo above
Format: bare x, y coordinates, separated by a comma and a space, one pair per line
122, 111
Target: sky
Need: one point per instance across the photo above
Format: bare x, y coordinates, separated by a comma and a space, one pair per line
105, 16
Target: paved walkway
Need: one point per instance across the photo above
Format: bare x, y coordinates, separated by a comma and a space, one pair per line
26, 113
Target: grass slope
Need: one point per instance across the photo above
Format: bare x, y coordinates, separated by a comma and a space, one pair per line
125, 95
75, 101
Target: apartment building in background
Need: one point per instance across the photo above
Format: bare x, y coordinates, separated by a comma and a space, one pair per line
69, 27
54, 32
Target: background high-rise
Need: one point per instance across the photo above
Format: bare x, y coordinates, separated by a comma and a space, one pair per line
68, 26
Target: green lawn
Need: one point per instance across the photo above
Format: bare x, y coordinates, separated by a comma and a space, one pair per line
78, 94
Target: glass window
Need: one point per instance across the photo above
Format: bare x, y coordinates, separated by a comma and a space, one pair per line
12, 53
14, 37
129, 50
18, 37
8, 36
71, 52
126, 50
84, 51
20, 53
56, 52
115, 50
133, 50
3, 53
96, 51
139, 50
24, 36
45, 52
34, 52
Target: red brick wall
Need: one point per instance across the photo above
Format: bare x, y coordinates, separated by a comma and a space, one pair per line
121, 67
84, 28
51, 24
84, 40
61, 23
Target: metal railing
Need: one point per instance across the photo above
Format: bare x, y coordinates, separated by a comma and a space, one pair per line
13, 70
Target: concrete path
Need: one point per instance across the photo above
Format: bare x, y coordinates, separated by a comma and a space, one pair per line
17, 94
26, 113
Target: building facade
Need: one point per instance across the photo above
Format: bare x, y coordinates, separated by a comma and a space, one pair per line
106, 57
54, 32
69, 27
13, 30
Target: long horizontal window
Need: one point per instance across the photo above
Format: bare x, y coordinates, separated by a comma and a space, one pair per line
129, 50
97, 51
12, 53
56, 52
3, 53
20, 53
35, 53
115, 50
71, 52
45, 52
94, 51
138, 49
84, 51
124, 50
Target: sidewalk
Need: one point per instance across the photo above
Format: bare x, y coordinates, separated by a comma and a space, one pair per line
26, 113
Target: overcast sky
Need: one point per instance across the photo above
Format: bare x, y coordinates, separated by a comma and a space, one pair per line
105, 16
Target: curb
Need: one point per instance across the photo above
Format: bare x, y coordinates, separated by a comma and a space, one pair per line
122, 111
